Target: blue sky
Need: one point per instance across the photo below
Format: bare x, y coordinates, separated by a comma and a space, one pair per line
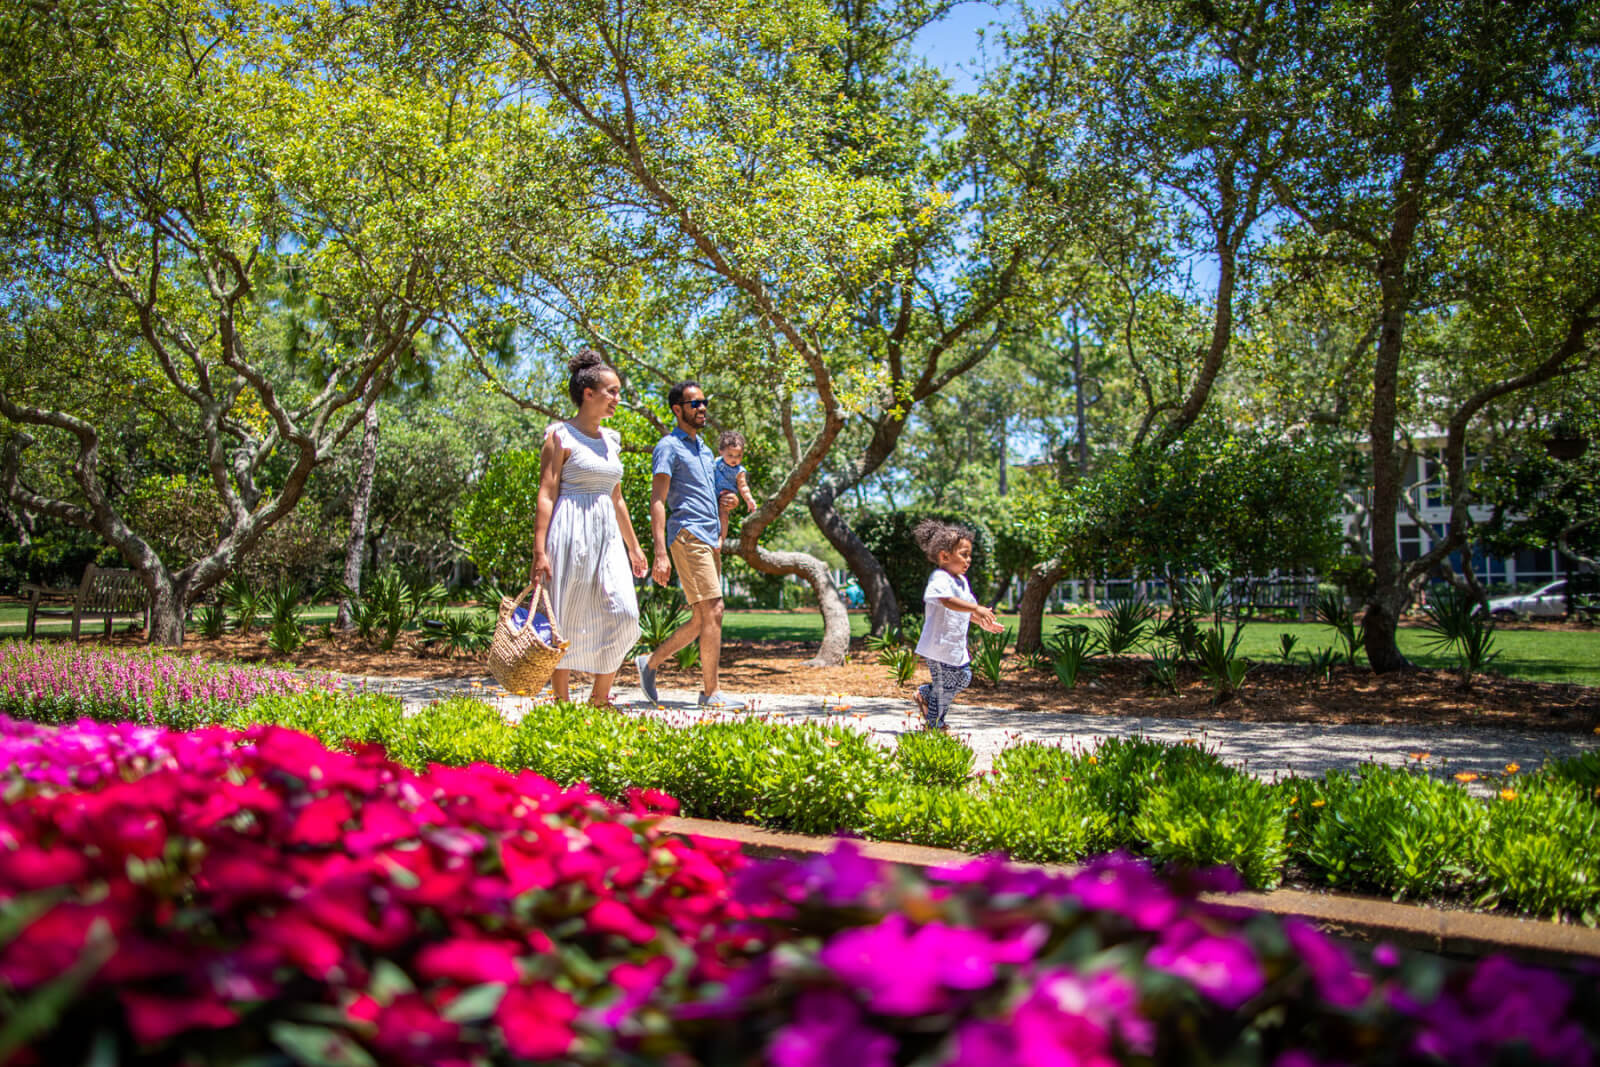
952, 43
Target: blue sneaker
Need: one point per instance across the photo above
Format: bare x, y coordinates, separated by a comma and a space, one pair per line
647, 677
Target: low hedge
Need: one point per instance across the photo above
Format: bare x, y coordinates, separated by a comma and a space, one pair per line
1531, 848
255, 899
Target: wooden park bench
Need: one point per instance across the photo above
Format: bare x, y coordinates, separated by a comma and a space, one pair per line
102, 592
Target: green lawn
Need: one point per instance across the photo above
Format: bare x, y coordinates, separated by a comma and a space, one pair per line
1534, 655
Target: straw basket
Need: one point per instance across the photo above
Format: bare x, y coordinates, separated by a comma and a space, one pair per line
518, 659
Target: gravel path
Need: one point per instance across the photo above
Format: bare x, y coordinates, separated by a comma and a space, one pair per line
1263, 749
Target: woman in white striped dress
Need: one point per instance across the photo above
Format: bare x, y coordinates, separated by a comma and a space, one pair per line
584, 544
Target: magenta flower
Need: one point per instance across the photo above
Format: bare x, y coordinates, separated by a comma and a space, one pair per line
155, 1018
536, 1021
1223, 968
470, 961
1336, 978
827, 1031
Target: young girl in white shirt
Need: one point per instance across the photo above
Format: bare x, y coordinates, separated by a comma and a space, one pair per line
950, 605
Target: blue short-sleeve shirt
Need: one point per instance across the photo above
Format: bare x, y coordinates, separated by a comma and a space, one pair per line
692, 496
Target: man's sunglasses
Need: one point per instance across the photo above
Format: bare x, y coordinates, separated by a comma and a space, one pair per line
694, 403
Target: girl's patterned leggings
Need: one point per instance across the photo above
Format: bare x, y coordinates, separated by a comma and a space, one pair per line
940, 692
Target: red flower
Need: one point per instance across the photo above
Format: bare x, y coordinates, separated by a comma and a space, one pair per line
31, 867
153, 1018
470, 961
383, 822
307, 944
321, 822
610, 917
536, 1021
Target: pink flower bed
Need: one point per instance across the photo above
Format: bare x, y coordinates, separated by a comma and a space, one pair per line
215, 897
61, 681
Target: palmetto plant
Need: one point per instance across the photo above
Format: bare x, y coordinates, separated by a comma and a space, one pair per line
1334, 611
1455, 622
390, 602
1071, 648
282, 604
991, 655
1124, 625
212, 620
242, 598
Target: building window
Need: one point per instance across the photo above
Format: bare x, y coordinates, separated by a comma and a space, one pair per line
1410, 542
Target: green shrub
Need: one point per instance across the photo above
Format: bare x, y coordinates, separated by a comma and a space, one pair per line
930, 757
1055, 826
1118, 774
211, 621
715, 769
1582, 771
1539, 852
494, 520
901, 661
1220, 663
938, 816
242, 598
819, 779
1394, 830
331, 717
1333, 609
1204, 816
457, 731
611, 751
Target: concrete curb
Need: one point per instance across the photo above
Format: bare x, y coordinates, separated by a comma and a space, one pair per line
1449, 933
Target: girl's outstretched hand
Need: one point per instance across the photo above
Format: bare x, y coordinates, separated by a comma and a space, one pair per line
987, 621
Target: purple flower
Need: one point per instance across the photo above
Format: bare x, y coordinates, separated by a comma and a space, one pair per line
1336, 978
827, 1031
1223, 968
876, 961
1070, 1020
1128, 887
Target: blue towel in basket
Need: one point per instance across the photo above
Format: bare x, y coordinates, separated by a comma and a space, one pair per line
541, 624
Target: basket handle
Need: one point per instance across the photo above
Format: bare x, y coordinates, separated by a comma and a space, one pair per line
540, 593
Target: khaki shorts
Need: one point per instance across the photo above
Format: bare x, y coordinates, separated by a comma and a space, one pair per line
699, 567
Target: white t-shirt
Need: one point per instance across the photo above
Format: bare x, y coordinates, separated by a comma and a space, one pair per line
944, 632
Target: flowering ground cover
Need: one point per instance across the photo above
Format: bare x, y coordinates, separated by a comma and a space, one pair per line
60, 681
233, 897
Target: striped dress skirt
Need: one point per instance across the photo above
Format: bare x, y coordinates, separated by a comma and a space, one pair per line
591, 589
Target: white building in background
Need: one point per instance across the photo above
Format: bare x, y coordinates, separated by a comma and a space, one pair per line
1427, 520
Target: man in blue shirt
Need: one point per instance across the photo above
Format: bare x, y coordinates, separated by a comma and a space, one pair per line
686, 528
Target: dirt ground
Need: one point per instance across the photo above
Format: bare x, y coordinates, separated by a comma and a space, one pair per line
1271, 692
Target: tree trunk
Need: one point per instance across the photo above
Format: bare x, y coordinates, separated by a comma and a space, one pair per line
167, 609
1000, 592
359, 508
1030, 609
835, 617
883, 607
